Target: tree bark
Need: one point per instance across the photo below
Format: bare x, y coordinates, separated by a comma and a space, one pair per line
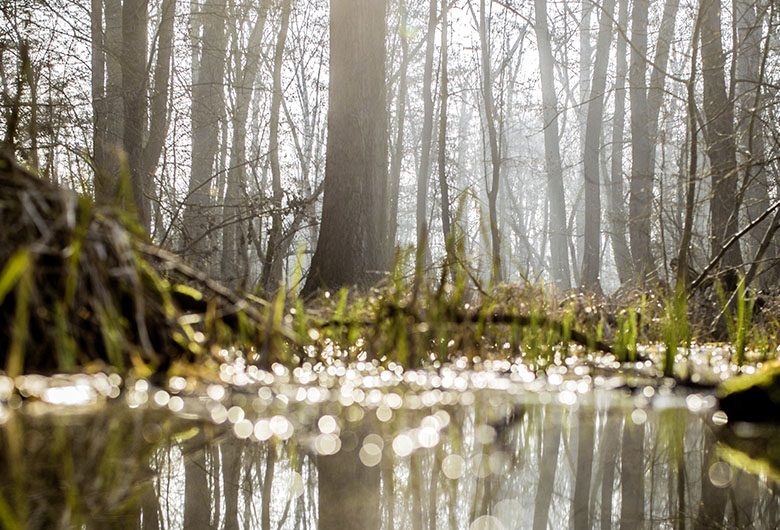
748, 93
591, 259
99, 115
352, 247
444, 189
397, 157
719, 134
552, 151
495, 154
423, 172
273, 260
207, 114
111, 142
158, 115
640, 204
617, 212
134, 86
232, 231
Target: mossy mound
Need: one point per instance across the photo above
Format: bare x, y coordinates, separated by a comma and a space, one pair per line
753, 397
79, 285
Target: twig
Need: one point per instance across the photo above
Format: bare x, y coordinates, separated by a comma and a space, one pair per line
714, 261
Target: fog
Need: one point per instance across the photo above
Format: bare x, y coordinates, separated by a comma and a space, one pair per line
586, 144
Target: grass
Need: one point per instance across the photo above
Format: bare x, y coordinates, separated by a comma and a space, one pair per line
80, 285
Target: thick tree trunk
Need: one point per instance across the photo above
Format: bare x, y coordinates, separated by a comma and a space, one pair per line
110, 144
552, 151
591, 259
134, 86
99, 115
207, 113
352, 247
751, 142
640, 204
719, 133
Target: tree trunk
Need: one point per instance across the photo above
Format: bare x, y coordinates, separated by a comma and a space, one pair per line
231, 212
423, 172
751, 143
444, 188
111, 143
400, 111
134, 85
552, 151
640, 204
616, 211
591, 259
495, 155
719, 134
207, 113
99, 115
158, 115
273, 259
352, 248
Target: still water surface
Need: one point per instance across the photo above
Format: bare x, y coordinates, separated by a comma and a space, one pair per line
362, 448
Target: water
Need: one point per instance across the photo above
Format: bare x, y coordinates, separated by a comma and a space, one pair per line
345, 447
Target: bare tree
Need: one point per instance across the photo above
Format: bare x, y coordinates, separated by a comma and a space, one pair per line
616, 211
555, 195
641, 187
208, 111
719, 134
352, 247
591, 259
492, 185
272, 263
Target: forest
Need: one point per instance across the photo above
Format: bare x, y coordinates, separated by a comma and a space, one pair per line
587, 145
415, 264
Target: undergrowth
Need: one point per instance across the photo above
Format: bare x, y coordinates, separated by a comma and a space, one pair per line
80, 286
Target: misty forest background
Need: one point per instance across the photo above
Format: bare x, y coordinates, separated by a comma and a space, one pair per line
589, 144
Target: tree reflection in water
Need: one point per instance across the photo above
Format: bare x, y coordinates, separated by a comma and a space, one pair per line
490, 464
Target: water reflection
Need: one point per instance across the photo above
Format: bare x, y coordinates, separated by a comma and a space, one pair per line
499, 461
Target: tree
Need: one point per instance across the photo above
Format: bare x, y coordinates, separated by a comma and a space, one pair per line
352, 248
246, 73
552, 152
616, 212
641, 187
424, 171
207, 113
444, 188
749, 98
397, 156
134, 44
495, 154
272, 264
591, 259
719, 135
